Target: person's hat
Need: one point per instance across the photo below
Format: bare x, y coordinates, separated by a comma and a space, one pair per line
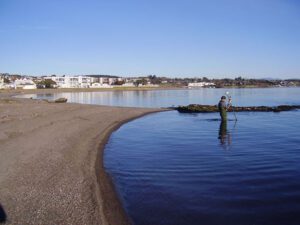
223, 97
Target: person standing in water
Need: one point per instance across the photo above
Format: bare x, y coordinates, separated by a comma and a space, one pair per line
223, 108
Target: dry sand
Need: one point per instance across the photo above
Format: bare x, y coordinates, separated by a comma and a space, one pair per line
51, 168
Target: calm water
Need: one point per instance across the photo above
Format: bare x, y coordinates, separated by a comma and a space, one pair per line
167, 98
186, 169
172, 168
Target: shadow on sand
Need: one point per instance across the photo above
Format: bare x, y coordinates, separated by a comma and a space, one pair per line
2, 214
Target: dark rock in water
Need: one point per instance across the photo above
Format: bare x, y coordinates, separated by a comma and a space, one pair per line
194, 108
61, 100
197, 108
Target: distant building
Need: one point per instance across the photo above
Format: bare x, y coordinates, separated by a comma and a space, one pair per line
1, 82
201, 84
99, 85
7, 84
24, 83
128, 84
71, 82
83, 81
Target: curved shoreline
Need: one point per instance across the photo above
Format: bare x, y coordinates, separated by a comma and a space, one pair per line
107, 189
51, 165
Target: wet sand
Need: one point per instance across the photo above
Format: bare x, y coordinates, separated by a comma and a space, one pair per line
51, 168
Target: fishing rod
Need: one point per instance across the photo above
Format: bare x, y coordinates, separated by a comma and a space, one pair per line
230, 104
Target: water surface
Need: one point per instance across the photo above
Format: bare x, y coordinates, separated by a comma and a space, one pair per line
172, 168
186, 169
167, 98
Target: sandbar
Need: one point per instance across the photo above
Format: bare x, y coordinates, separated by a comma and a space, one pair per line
51, 164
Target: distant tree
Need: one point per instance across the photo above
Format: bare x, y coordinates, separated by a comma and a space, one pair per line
142, 81
137, 82
48, 83
205, 79
239, 78
119, 82
6, 80
154, 79
151, 77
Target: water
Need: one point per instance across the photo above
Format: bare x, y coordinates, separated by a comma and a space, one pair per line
167, 98
171, 168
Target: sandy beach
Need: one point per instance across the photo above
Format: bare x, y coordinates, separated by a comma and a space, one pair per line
51, 169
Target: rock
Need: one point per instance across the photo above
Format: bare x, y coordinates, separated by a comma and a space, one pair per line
61, 100
194, 108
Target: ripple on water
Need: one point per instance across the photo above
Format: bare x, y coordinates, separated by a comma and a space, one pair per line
176, 169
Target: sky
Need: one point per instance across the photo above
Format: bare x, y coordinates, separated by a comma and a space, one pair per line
174, 38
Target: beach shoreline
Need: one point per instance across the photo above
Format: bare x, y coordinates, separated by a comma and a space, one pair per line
107, 188
52, 168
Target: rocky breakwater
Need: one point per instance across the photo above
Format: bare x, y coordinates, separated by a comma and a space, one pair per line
195, 108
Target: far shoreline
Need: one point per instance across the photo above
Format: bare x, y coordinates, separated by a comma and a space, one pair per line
74, 90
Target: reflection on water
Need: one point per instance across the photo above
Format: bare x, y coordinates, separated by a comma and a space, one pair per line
167, 98
224, 135
171, 168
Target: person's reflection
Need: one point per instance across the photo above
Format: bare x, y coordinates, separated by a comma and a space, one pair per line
224, 135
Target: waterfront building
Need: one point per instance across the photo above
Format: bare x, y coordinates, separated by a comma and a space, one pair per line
83, 81
1, 81
99, 85
24, 83
201, 84
128, 84
71, 82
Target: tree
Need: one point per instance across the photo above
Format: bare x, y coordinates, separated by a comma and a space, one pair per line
205, 79
137, 82
151, 77
140, 81
48, 83
119, 82
6, 80
154, 79
144, 81
239, 78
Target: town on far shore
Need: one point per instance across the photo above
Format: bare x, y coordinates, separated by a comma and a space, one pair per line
17, 81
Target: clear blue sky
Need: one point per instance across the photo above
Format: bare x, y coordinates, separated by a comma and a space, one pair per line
214, 38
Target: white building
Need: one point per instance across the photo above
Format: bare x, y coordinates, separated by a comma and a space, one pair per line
4, 85
24, 83
99, 85
201, 84
128, 85
71, 82
83, 81
1, 82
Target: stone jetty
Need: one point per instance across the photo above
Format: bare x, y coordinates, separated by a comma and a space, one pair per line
195, 108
